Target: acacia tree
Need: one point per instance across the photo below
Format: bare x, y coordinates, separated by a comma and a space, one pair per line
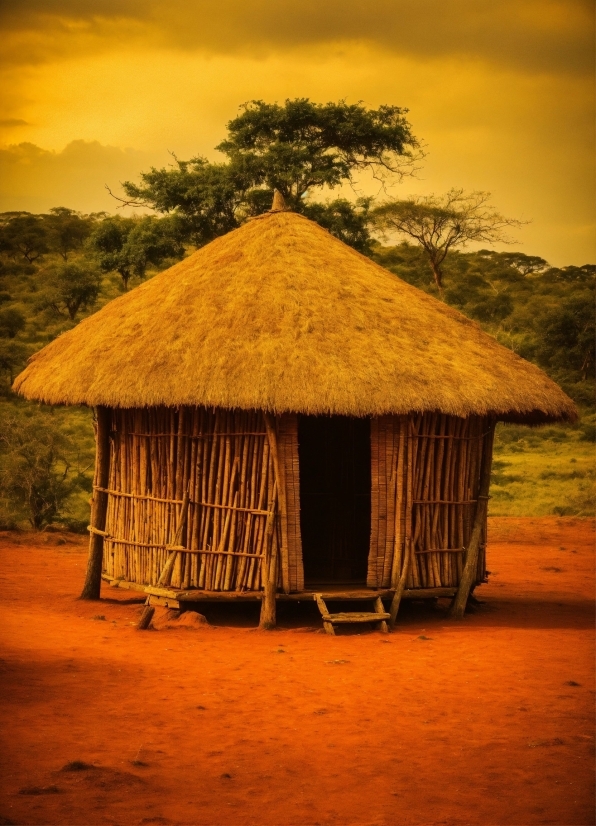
129, 246
23, 234
67, 230
71, 287
304, 145
440, 223
296, 148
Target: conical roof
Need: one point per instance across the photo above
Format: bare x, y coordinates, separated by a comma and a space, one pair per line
282, 316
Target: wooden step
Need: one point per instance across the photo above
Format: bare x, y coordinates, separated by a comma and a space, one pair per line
379, 615
356, 616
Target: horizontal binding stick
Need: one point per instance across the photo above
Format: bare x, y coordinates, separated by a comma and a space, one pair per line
254, 511
217, 553
97, 532
440, 551
115, 541
455, 438
444, 501
180, 549
221, 434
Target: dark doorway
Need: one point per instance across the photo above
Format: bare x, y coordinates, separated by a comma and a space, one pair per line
334, 454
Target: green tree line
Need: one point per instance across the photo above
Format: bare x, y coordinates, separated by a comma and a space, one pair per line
58, 267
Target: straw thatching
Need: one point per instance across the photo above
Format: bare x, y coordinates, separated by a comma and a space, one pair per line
281, 316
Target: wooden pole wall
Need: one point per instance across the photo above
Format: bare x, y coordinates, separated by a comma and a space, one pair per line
224, 460
426, 482
426, 476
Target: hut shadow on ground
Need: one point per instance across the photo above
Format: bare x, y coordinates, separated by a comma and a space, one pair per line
305, 615
518, 612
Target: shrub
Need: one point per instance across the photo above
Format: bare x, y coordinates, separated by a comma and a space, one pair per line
11, 322
37, 477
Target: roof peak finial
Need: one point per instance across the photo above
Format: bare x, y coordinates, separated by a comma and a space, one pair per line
278, 205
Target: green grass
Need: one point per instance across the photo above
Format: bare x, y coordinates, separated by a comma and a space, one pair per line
542, 472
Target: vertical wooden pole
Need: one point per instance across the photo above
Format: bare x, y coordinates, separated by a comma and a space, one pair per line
469, 573
166, 572
280, 477
269, 572
99, 504
399, 543
410, 450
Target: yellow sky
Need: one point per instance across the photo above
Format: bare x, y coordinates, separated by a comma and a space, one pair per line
501, 92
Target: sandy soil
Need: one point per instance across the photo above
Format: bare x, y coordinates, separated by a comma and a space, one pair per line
486, 721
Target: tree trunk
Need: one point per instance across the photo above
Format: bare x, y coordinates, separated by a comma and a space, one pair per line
438, 276
99, 505
125, 276
460, 601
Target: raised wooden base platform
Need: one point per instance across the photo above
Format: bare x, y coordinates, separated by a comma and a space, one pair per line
172, 597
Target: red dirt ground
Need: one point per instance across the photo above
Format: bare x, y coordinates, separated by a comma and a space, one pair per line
487, 721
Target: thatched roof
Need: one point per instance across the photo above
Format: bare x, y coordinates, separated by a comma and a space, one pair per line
280, 315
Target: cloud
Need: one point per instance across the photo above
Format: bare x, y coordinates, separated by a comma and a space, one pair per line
498, 90
35, 179
531, 35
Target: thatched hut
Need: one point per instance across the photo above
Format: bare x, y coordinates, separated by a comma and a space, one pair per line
278, 415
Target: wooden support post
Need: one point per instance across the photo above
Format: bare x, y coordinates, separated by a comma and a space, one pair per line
328, 626
469, 574
410, 445
399, 590
380, 609
280, 478
146, 617
99, 505
268, 618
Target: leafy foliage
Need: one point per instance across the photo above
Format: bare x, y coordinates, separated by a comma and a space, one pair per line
441, 223
67, 230
13, 355
71, 286
24, 235
297, 148
12, 321
129, 246
345, 220
36, 467
303, 145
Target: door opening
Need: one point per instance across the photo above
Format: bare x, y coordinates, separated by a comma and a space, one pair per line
334, 455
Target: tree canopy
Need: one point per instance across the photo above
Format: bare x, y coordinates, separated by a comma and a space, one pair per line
300, 148
67, 230
71, 287
129, 245
440, 223
23, 234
